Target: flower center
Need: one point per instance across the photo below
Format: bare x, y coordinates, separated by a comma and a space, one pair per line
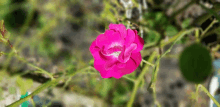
113, 51
116, 54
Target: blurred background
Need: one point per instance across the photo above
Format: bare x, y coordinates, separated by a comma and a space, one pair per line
55, 35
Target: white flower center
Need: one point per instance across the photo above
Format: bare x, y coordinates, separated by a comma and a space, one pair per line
116, 54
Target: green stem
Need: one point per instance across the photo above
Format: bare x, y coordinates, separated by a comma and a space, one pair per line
137, 82
211, 11
197, 93
148, 63
207, 92
43, 87
197, 35
178, 36
206, 30
128, 78
38, 90
42, 70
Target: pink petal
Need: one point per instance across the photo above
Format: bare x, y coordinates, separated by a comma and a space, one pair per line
99, 65
108, 39
93, 48
120, 28
117, 72
125, 54
130, 37
110, 63
131, 65
139, 41
121, 65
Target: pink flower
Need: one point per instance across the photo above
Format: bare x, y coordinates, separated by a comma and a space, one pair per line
117, 51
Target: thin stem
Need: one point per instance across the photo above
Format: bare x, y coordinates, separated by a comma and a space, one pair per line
148, 63
137, 82
42, 70
197, 93
211, 11
197, 35
207, 92
44, 86
206, 30
130, 102
81, 70
128, 78
67, 82
38, 90
178, 36
156, 68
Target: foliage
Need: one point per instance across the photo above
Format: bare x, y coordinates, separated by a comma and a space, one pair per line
195, 63
159, 30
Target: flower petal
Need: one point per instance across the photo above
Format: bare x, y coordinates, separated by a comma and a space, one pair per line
109, 39
121, 65
139, 41
99, 65
112, 50
94, 48
130, 37
131, 65
120, 28
126, 53
111, 63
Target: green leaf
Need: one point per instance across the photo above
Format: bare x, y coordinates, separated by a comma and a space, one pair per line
159, 16
185, 23
28, 83
151, 23
152, 36
120, 98
106, 87
24, 85
195, 63
171, 31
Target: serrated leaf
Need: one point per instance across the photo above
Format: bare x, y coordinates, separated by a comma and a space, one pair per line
185, 23
171, 31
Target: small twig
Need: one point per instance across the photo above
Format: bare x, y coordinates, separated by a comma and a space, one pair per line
128, 78
148, 63
206, 30
3, 31
197, 92
42, 70
138, 80
211, 11
38, 90
207, 92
